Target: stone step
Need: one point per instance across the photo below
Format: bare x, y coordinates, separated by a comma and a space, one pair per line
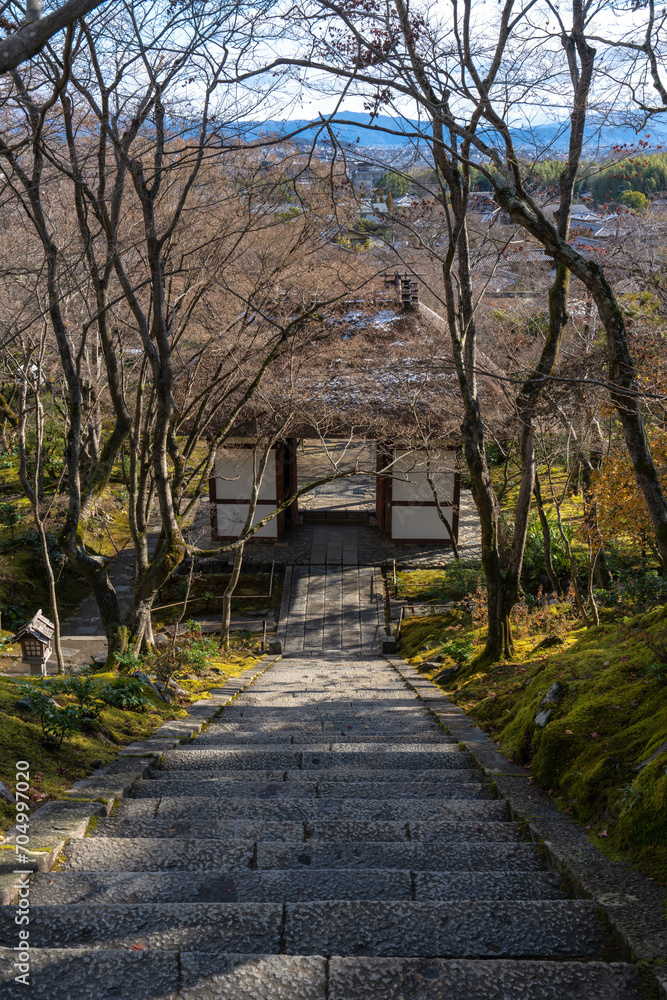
226, 789
224, 886
154, 854
464, 774
102, 919
325, 726
190, 854
97, 974
84, 973
311, 789
455, 929
337, 716
412, 756
330, 926
217, 736
204, 829
404, 789
300, 832
217, 886
314, 810
442, 979
415, 856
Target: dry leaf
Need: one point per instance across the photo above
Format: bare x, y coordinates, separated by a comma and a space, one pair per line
603, 833
138, 946
595, 736
569, 732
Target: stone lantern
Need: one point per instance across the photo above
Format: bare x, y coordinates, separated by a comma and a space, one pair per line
35, 638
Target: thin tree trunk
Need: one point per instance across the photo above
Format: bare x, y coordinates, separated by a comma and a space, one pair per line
34, 490
227, 597
44, 545
592, 603
40, 525
185, 604
440, 512
574, 580
546, 536
257, 477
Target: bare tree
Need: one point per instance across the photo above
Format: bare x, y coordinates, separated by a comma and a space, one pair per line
31, 378
29, 33
466, 86
169, 297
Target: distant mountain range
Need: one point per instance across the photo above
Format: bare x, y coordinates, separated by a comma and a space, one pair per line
353, 128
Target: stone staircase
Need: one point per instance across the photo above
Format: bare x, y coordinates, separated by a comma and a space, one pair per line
323, 839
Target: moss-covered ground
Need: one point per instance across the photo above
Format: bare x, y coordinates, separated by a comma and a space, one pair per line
54, 770
602, 755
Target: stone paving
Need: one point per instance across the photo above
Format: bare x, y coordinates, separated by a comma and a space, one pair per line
304, 543
323, 839
332, 607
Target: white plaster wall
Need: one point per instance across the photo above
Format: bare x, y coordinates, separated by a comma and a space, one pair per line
419, 523
409, 480
234, 475
232, 517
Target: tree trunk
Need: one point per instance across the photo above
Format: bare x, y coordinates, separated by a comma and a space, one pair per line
227, 597
499, 641
44, 545
622, 374
441, 513
546, 535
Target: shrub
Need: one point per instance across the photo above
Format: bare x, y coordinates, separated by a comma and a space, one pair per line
635, 200
9, 516
196, 653
125, 693
635, 588
127, 663
460, 650
56, 722
461, 579
533, 558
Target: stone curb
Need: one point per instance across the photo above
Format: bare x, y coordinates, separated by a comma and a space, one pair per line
634, 907
54, 823
281, 631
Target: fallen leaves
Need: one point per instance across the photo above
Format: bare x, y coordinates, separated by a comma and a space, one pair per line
569, 732
603, 833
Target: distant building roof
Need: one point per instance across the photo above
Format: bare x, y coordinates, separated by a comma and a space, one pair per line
580, 210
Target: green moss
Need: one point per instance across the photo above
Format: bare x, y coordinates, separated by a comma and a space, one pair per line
53, 771
611, 716
92, 823
453, 583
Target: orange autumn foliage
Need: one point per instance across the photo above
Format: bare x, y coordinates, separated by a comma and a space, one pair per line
622, 514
